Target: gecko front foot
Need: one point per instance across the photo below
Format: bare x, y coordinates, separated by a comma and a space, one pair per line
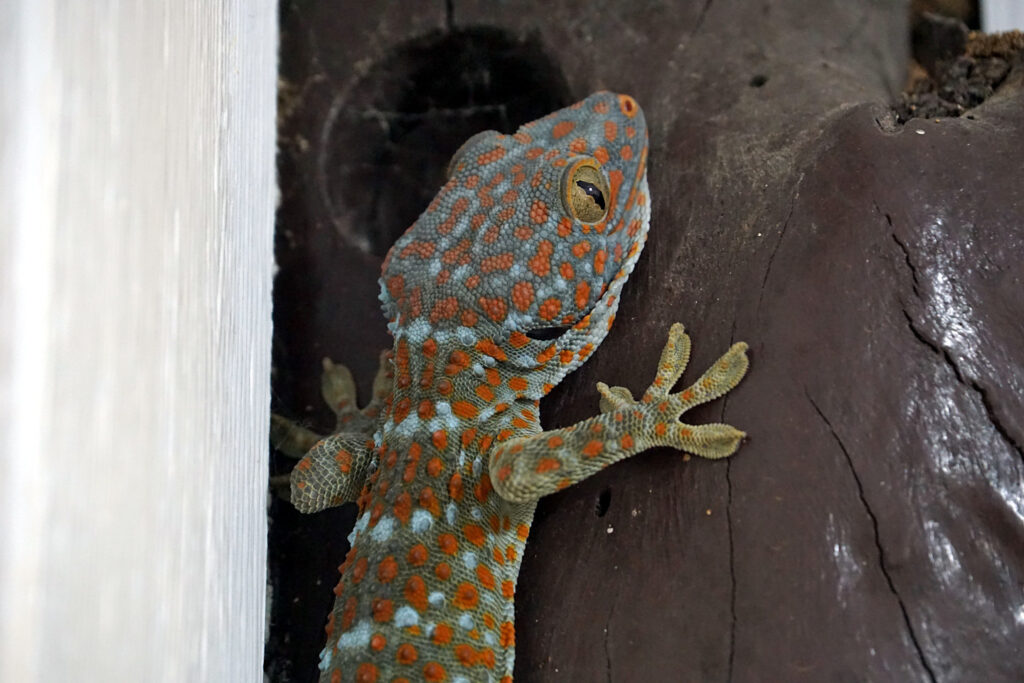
660, 410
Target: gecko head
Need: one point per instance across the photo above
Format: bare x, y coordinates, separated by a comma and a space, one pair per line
526, 247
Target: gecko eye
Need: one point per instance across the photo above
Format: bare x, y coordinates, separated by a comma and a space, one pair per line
585, 192
462, 153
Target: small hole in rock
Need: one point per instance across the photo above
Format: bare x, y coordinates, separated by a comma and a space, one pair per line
758, 80
603, 501
388, 144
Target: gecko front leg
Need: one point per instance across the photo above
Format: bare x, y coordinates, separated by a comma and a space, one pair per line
527, 468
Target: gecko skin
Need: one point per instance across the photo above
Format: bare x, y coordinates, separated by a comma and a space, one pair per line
504, 285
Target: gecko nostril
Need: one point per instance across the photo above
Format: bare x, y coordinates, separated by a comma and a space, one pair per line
604, 500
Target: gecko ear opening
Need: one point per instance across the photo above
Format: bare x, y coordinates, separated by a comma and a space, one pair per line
461, 154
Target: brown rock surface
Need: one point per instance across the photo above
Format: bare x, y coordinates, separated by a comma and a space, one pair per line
873, 526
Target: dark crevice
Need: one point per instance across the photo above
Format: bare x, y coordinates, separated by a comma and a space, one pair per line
732, 570
604, 500
701, 16
970, 383
910, 264
607, 632
449, 15
877, 537
778, 243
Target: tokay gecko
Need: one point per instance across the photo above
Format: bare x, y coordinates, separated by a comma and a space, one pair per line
506, 283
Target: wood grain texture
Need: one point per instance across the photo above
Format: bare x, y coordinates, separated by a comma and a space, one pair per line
138, 193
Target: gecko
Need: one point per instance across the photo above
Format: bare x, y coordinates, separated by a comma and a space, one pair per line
506, 283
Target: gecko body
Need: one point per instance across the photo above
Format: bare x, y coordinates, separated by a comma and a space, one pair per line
506, 283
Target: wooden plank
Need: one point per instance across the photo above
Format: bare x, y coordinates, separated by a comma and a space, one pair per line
1002, 15
137, 180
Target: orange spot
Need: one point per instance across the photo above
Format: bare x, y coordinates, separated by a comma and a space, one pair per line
401, 410
549, 309
517, 339
593, 448
457, 362
626, 152
546, 355
566, 271
601, 154
403, 507
518, 383
491, 156
474, 534
599, 260
562, 128
382, 609
611, 131
660, 429
359, 570
434, 672
406, 654
465, 654
485, 392
547, 465
349, 613
378, 642
626, 441
367, 673
416, 592
455, 487
483, 489
540, 264
467, 437
469, 318
522, 531
508, 634
440, 439
582, 294
523, 232
434, 466
425, 409
417, 555
442, 634
448, 544
493, 307
387, 570
491, 349
566, 356
466, 596
522, 295
428, 501
493, 378
502, 261
443, 571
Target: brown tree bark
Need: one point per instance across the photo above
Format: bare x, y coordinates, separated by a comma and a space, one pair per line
873, 526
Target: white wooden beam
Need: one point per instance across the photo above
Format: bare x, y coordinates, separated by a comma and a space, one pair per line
137, 196
1002, 15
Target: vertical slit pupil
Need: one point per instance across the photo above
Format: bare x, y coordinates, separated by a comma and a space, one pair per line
592, 191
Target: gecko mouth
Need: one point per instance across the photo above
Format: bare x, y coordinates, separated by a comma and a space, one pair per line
547, 333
